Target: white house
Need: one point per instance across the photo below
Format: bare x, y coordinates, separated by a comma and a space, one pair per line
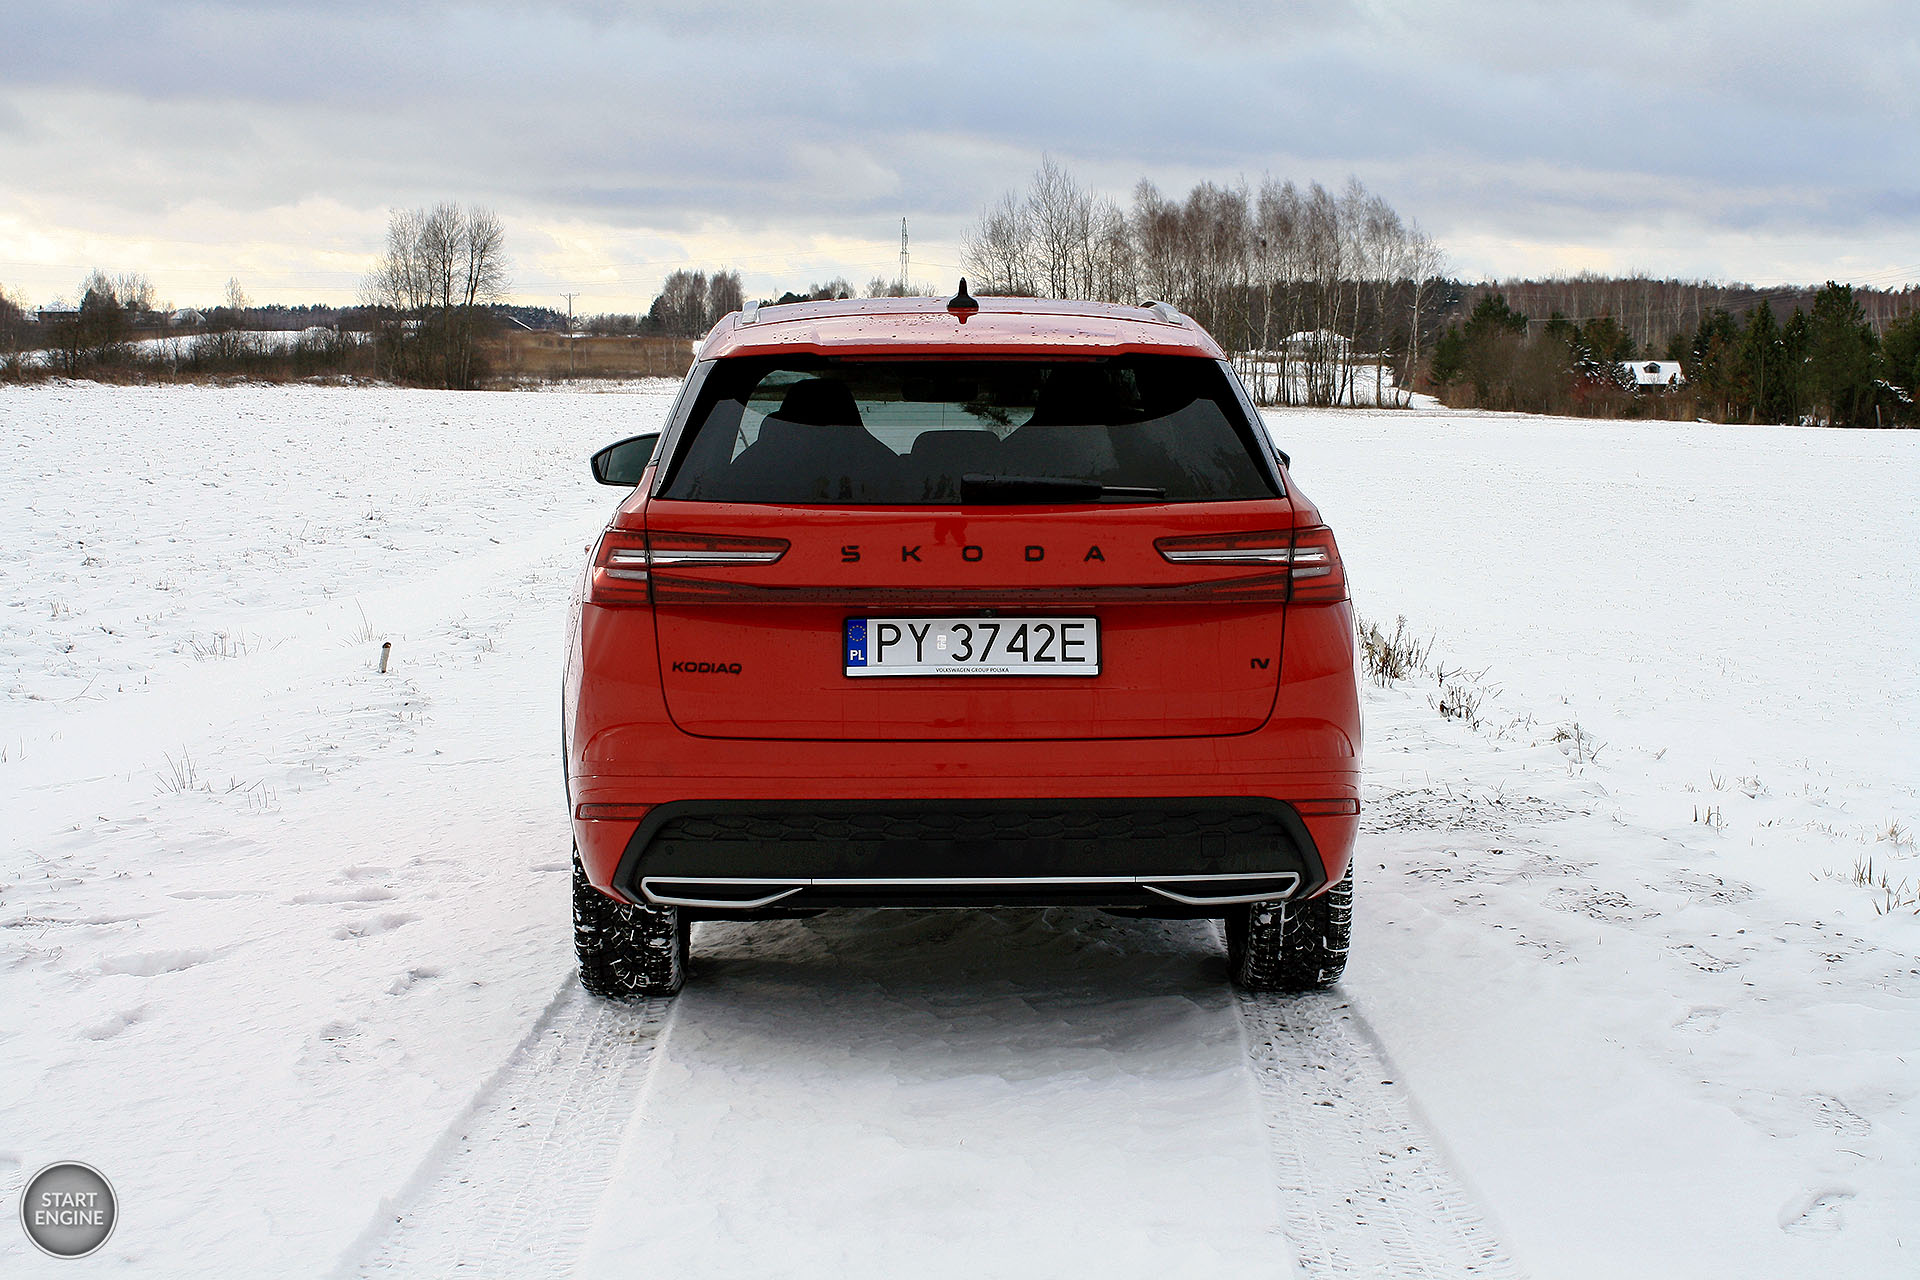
1654, 373
1324, 343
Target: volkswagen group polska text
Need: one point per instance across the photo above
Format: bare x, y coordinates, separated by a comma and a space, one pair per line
967, 604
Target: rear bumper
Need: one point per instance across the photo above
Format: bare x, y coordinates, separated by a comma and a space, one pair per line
1168, 856
627, 761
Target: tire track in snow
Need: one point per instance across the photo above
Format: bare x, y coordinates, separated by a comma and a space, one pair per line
513, 1185
1364, 1188
517, 1185
997, 1093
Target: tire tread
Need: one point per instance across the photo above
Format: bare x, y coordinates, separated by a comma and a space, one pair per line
626, 952
1291, 946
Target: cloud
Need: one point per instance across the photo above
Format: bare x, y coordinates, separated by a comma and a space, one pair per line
1718, 137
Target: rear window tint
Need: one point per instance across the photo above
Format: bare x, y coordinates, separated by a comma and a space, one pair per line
901, 432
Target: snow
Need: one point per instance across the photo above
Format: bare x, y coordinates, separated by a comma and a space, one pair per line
1646, 957
284, 952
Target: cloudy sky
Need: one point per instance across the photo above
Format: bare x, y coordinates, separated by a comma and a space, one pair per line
1752, 141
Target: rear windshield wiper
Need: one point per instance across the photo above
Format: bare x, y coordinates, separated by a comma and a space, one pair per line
1016, 489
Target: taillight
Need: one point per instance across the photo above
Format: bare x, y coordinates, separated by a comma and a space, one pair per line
625, 561
1268, 546
620, 569
1318, 575
688, 549
1313, 570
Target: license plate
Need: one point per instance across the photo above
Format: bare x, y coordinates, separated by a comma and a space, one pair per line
973, 646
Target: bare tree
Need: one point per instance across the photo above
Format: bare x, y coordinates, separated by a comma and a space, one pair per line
1060, 213
1323, 260
1110, 250
997, 253
1382, 247
228, 318
1424, 262
97, 332
134, 290
1156, 238
885, 287
481, 246
1216, 241
442, 269
725, 295
12, 322
1276, 268
680, 310
224, 345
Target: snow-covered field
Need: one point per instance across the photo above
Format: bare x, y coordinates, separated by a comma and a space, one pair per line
284, 952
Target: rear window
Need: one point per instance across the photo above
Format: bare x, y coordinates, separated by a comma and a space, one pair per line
804, 429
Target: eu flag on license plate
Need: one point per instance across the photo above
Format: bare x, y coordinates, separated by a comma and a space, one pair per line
856, 642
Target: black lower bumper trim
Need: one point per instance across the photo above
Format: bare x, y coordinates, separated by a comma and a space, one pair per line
1174, 856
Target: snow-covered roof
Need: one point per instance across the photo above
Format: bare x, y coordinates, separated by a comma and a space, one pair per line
1317, 339
1654, 373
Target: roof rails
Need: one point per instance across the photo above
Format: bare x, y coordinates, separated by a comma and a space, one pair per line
1163, 312
749, 314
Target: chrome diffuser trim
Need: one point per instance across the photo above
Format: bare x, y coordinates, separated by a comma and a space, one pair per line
1282, 884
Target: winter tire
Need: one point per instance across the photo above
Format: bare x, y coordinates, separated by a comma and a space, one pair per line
626, 952
1291, 946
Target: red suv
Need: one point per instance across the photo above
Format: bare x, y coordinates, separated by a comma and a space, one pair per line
971, 604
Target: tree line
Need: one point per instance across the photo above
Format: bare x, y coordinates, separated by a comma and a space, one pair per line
1309, 289
691, 302
1827, 364
99, 330
1321, 297
1653, 312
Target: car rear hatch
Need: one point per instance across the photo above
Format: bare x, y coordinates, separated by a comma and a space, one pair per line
758, 565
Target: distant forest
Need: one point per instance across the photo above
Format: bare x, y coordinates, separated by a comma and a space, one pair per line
1321, 297
1827, 362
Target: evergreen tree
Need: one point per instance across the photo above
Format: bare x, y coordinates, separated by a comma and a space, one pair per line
1449, 357
1794, 338
1900, 352
1491, 315
1494, 334
1763, 365
1607, 339
1841, 355
1712, 366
